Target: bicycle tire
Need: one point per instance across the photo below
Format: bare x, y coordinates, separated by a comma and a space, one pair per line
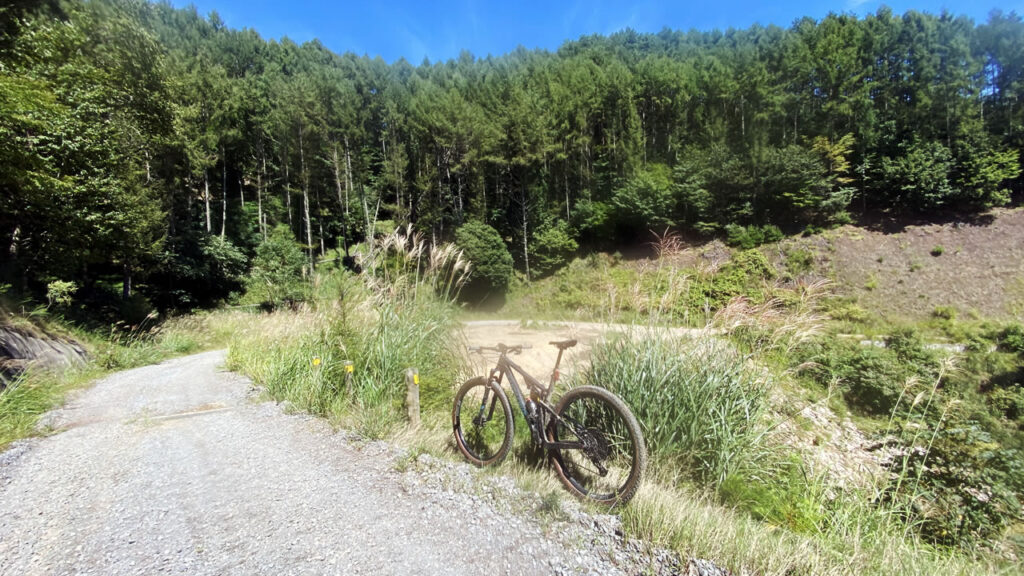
616, 440
484, 443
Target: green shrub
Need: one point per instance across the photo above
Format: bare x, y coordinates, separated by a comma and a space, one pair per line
799, 261
743, 275
552, 247
59, 292
958, 486
871, 283
845, 310
944, 313
909, 347
1008, 403
937, 250
491, 261
747, 237
647, 200
277, 268
872, 379
1012, 338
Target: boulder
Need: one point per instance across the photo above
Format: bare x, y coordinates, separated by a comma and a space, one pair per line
21, 348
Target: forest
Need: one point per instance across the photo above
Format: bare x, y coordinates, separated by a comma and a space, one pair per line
151, 150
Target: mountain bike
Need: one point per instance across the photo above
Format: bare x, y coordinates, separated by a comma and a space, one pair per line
592, 439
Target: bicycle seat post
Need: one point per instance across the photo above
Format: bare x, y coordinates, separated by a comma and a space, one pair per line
554, 375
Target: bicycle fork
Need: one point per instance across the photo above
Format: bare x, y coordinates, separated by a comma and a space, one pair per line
479, 420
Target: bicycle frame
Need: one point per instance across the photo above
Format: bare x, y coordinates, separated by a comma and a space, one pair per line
539, 394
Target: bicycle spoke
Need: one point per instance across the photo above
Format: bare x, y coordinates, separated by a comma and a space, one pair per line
603, 466
482, 421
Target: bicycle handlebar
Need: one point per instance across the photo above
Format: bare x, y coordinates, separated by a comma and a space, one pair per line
501, 348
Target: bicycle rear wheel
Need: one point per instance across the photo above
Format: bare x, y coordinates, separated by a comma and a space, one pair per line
482, 422
608, 466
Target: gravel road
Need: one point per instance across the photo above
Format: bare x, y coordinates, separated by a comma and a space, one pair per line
180, 468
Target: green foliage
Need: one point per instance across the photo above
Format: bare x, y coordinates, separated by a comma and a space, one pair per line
873, 380
917, 179
785, 498
132, 129
799, 261
802, 179
195, 270
1012, 338
937, 250
647, 200
491, 262
908, 345
954, 470
961, 488
24, 400
277, 269
744, 275
552, 247
872, 282
747, 237
594, 221
1008, 403
59, 292
983, 168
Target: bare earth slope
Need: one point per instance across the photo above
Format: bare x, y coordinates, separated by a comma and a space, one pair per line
971, 266
175, 468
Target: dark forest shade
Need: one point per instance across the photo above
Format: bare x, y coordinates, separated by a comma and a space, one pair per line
131, 132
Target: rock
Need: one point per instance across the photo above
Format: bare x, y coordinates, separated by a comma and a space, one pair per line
21, 348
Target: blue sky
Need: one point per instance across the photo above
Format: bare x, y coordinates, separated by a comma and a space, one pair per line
413, 29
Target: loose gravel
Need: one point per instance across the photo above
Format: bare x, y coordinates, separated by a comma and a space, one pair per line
179, 468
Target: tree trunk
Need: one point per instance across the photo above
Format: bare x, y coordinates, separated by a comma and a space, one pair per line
13, 249
259, 197
342, 197
223, 193
126, 285
526, 245
305, 199
287, 192
206, 198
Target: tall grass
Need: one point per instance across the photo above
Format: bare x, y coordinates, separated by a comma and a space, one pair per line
699, 401
28, 397
397, 315
855, 541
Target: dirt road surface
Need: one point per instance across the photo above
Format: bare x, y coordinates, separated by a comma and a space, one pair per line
180, 468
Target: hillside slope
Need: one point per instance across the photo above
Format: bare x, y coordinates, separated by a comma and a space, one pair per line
975, 267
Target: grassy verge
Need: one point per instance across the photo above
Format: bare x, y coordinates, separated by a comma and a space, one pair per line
344, 355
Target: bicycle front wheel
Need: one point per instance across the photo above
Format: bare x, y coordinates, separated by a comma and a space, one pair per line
611, 457
482, 422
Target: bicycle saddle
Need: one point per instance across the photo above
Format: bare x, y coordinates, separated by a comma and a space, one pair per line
563, 344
